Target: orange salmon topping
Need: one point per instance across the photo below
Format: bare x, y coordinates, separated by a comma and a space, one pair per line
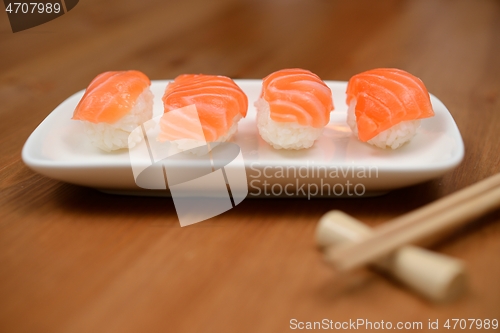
385, 97
110, 96
218, 101
297, 95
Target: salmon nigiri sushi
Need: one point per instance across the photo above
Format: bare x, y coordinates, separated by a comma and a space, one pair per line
293, 108
114, 104
201, 109
386, 105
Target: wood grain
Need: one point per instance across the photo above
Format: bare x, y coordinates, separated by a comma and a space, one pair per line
75, 260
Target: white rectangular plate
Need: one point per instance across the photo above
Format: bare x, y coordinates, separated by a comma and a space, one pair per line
59, 148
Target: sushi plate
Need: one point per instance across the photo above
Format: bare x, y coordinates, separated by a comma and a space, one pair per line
337, 165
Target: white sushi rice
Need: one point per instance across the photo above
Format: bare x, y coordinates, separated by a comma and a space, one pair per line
199, 148
283, 135
115, 136
393, 137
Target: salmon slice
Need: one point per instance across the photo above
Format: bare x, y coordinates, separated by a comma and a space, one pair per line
385, 97
219, 103
297, 95
110, 96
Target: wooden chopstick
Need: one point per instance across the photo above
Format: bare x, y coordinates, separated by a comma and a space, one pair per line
440, 216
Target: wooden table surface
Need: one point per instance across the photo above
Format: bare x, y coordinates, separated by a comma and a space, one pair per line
73, 259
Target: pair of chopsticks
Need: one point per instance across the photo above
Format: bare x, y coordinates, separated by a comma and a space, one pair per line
433, 219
